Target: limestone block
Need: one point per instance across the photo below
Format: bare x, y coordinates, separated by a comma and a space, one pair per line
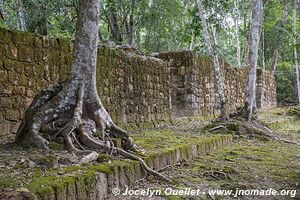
11, 52
4, 128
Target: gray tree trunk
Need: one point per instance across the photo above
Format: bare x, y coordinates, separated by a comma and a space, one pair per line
213, 53
263, 49
77, 100
131, 23
21, 17
278, 42
295, 52
72, 111
2, 10
237, 32
257, 11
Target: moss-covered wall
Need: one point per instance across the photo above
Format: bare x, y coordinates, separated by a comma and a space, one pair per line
133, 88
194, 92
138, 91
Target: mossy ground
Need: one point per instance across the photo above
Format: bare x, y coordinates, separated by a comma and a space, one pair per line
15, 172
247, 164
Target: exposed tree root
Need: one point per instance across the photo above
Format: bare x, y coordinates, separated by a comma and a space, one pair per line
218, 175
74, 114
242, 128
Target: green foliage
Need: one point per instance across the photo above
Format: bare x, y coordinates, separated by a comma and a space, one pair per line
46, 17
285, 76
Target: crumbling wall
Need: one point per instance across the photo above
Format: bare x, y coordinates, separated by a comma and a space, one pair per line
266, 89
138, 91
194, 92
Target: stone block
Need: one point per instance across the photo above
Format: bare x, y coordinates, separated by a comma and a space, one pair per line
4, 128
3, 76
14, 127
11, 52
5, 36
2, 51
22, 38
12, 114
25, 54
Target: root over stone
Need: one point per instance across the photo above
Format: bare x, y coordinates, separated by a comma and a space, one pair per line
74, 112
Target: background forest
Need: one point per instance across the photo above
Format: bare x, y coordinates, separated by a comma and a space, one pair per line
164, 25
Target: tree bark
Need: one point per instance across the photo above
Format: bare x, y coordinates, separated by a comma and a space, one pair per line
295, 52
73, 110
257, 11
115, 34
21, 17
213, 53
237, 32
263, 49
2, 10
278, 42
131, 23
59, 102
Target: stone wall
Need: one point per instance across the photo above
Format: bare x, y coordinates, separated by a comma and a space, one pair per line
194, 93
138, 91
266, 89
133, 88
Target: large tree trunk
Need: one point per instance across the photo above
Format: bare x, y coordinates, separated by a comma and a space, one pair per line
257, 11
295, 52
278, 42
213, 53
73, 110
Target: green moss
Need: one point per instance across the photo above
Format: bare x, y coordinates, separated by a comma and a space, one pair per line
5, 36
56, 146
24, 38
101, 168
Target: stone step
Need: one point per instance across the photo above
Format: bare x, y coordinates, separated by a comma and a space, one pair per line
97, 181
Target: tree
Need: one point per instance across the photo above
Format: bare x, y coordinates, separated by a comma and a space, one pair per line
71, 110
22, 23
281, 25
211, 46
237, 31
257, 12
296, 2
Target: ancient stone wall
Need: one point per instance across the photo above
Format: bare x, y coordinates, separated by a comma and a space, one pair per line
194, 93
266, 92
133, 88
138, 91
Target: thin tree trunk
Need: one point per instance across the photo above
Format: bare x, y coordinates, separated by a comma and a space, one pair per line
257, 11
192, 41
247, 41
237, 32
274, 61
2, 10
213, 53
295, 52
278, 42
263, 49
21, 17
131, 23
115, 34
